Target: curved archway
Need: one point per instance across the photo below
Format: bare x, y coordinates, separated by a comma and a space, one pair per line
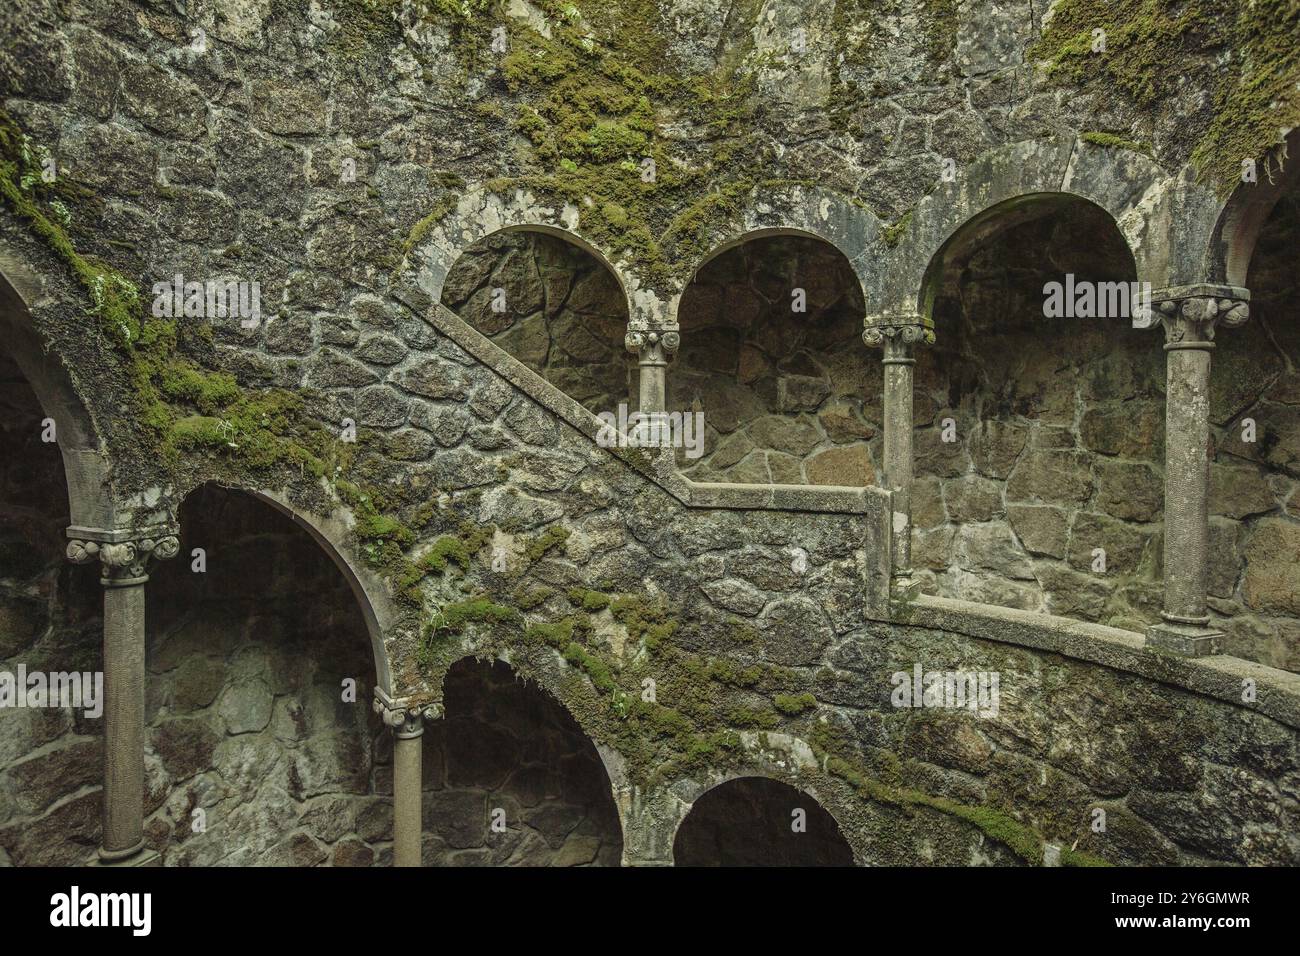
511, 779
985, 226
781, 209
258, 699
85, 464
552, 303
1039, 413
1246, 215
758, 821
1256, 384
479, 214
771, 356
1166, 220
50, 620
371, 595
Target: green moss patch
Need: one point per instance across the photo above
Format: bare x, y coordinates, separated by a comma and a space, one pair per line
1244, 54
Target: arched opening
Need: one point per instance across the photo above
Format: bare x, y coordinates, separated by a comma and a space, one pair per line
50, 757
1255, 473
262, 743
1248, 214
756, 821
772, 355
511, 780
1039, 418
551, 304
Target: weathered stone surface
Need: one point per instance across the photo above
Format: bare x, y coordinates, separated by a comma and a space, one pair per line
1129, 490
972, 498
735, 595
927, 503
990, 547
226, 162
1125, 546
1072, 594
1239, 492
996, 446
795, 436
850, 465
1055, 477
844, 424
433, 378
1130, 430
1041, 529
1272, 581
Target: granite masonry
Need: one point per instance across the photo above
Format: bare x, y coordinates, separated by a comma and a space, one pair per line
312, 316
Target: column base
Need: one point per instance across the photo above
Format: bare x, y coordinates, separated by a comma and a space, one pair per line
144, 857
1187, 640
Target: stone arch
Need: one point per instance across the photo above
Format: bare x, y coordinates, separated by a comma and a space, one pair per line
258, 699
785, 210
564, 309
1165, 218
86, 463
722, 823
1034, 434
771, 355
514, 739
992, 221
1244, 215
51, 616
330, 533
480, 213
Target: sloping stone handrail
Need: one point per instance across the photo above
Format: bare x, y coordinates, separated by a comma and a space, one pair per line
1277, 692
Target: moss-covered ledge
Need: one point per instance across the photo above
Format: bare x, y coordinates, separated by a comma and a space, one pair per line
1277, 693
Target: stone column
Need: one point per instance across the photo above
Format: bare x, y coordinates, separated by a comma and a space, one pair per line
898, 337
1189, 315
652, 347
407, 724
124, 558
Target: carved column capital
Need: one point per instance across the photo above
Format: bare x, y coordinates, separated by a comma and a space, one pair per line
1190, 314
897, 335
124, 555
404, 718
652, 346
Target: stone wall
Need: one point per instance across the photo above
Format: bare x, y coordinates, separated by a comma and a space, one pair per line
1180, 779
246, 709
1058, 424
790, 397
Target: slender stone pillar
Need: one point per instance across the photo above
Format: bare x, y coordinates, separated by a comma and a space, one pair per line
407, 725
1189, 315
123, 558
653, 348
898, 338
